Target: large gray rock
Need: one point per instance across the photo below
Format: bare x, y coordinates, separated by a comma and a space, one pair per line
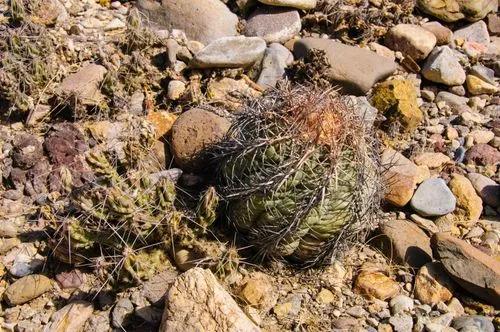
197, 302
201, 20
300, 4
230, 52
443, 67
472, 269
454, 10
433, 198
273, 24
356, 70
412, 40
276, 58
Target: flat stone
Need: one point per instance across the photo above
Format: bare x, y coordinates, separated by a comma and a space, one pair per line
273, 24
230, 52
276, 58
432, 159
488, 189
71, 317
355, 69
454, 10
201, 20
473, 323
404, 242
427, 225
197, 302
482, 136
472, 269
258, 291
84, 84
229, 92
27, 288
433, 198
7, 244
475, 32
411, 40
400, 175
194, 131
442, 33
443, 67
300, 4
432, 284
155, 289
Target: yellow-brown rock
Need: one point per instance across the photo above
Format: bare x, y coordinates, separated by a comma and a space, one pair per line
397, 100
375, 284
432, 284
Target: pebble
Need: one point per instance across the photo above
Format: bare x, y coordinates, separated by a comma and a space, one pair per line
425, 224
194, 131
442, 33
71, 317
27, 288
487, 188
443, 67
121, 310
452, 10
197, 302
401, 303
432, 159
482, 136
276, 59
405, 243
23, 260
374, 284
356, 70
401, 323
475, 32
477, 86
230, 52
433, 198
469, 205
473, 323
175, 89
412, 40
400, 177
201, 20
115, 24
484, 73
273, 24
84, 84
299, 4
432, 284
469, 267
482, 154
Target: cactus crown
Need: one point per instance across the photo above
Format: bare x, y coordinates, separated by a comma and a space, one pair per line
299, 174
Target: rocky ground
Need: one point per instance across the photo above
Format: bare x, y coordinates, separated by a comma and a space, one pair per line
153, 83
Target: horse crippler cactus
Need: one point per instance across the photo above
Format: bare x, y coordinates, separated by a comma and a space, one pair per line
299, 173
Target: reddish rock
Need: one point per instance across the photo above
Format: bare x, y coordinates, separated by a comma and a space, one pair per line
482, 154
472, 269
400, 177
404, 242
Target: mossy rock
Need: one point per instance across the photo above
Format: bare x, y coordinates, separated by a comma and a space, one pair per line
397, 100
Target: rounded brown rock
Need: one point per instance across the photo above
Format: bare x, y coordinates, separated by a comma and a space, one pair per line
193, 132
